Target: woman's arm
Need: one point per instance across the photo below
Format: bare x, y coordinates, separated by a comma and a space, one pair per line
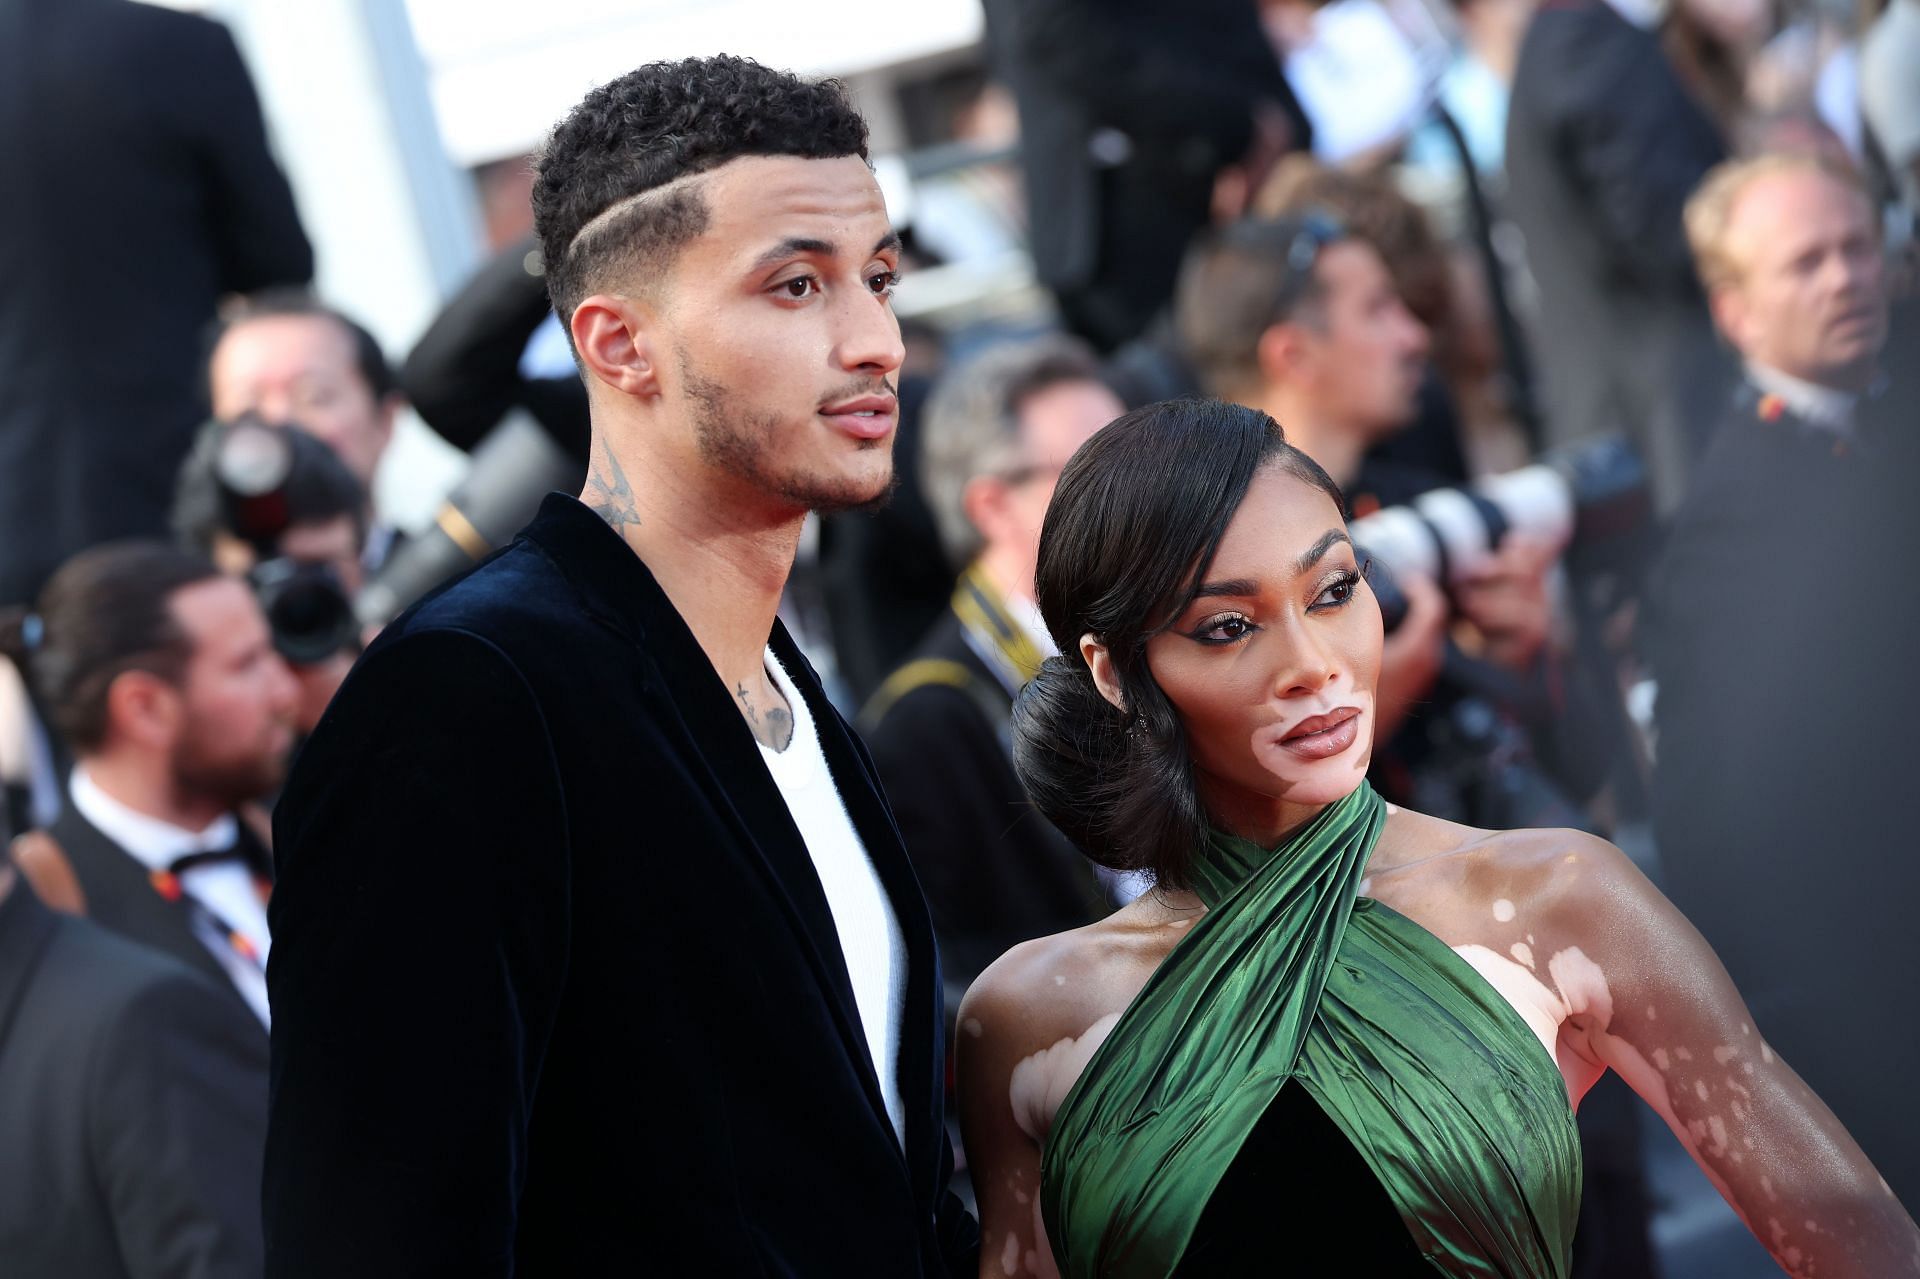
1646, 996
1002, 1157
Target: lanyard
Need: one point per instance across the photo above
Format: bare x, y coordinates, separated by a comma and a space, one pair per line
997, 635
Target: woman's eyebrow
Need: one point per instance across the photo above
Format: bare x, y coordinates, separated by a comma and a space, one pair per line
1232, 586
1328, 540
1246, 586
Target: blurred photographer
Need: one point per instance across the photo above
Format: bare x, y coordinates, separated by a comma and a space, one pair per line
1780, 625
278, 508
285, 357
1300, 318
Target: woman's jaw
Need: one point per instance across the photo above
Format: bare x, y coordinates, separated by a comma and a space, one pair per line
1299, 767
1318, 753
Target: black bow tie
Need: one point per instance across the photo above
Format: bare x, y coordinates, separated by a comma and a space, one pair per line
206, 857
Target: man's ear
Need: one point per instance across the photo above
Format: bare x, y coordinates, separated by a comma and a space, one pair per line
386, 414
1280, 353
984, 499
613, 335
144, 709
1729, 309
1100, 662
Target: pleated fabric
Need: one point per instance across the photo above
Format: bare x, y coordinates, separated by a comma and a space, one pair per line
1292, 977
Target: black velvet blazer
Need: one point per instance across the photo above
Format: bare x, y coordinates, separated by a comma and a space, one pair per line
556, 989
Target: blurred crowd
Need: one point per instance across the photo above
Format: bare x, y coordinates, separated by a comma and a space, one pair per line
1600, 312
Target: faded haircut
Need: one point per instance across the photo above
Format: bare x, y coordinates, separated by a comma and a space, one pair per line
611, 202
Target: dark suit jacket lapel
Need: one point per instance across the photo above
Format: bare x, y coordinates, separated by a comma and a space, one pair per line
691, 702
121, 897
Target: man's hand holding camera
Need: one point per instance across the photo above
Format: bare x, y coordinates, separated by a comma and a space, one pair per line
1505, 604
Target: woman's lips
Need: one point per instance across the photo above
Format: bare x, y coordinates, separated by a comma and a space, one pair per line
1323, 736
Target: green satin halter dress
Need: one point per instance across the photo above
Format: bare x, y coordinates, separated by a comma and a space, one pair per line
1291, 977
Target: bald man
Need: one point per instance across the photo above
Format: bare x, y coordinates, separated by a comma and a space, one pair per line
1781, 631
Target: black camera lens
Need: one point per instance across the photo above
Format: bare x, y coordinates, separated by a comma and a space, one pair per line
309, 613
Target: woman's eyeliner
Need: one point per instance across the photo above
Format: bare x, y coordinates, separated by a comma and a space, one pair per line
1346, 583
1341, 588
1203, 633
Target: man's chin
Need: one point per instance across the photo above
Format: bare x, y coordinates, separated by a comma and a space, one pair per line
853, 497
846, 488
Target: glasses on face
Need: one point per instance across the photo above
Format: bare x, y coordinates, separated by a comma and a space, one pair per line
1026, 473
1298, 241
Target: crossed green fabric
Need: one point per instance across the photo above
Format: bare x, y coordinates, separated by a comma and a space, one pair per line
1290, 976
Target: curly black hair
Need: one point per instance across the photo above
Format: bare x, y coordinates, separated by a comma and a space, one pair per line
664, 121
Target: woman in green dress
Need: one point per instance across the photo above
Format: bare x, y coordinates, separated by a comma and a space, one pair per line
1337, 1037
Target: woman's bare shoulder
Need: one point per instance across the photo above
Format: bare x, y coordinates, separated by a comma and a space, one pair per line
1499, 865
1036, 1017
1057, 986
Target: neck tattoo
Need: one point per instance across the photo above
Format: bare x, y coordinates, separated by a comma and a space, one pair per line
609, 495
774, 729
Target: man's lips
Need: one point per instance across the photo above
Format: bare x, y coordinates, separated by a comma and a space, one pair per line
1851, 321
868, 417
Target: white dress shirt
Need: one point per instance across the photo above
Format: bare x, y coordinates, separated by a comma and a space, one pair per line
1825, 407
870, 936
225, 889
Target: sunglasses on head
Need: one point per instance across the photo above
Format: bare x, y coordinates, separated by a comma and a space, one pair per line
1298, 241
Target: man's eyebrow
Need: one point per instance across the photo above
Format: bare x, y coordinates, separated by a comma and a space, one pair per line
1328, 540
793, 247
801, 246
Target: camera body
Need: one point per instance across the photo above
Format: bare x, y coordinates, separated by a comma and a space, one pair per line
269, 479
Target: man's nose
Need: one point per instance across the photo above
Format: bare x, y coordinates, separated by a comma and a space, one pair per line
285, 694
275, 407
1419, 340
870, 336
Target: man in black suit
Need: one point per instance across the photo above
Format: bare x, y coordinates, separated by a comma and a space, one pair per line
139, 190
1604, 144
1130, 113
160, 675
132, 1108
596, 947
999, 429
1781, 625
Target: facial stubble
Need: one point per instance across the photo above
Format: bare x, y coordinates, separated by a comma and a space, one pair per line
742, 442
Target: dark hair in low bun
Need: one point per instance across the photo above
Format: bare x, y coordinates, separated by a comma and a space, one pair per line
1134, 523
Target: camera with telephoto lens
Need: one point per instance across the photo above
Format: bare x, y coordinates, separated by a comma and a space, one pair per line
1592, 498
513, 469
266, 476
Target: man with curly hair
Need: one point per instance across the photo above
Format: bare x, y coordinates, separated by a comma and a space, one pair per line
596, 949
